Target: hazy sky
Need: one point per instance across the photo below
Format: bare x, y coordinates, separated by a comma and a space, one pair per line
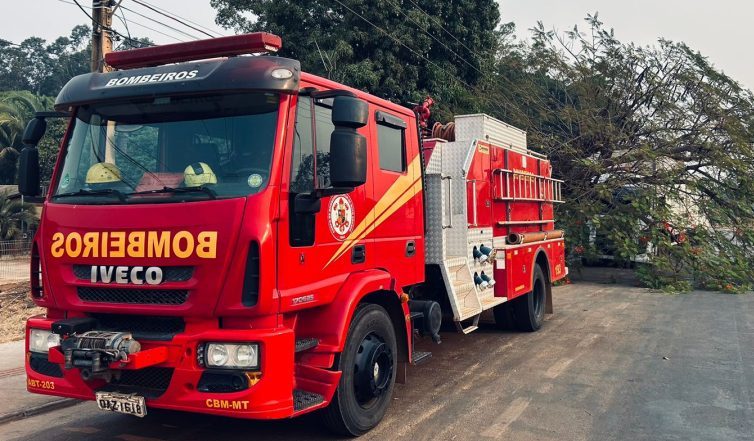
721, 30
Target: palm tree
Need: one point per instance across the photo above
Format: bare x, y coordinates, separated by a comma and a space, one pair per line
12, 215
16, 109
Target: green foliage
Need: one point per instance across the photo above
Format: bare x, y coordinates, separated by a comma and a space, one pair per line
660, 123
12, 214
331, 40
16, 109
49, 146
42, 68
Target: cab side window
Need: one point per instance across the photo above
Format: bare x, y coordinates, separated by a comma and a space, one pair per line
312, 135
302, 163
391, 142
307, 138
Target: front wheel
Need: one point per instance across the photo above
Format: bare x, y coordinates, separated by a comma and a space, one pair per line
368, 363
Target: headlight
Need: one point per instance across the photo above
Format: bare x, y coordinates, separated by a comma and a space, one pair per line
42, 341
231, 355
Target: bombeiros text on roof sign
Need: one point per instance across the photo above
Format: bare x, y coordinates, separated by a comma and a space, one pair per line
154, 78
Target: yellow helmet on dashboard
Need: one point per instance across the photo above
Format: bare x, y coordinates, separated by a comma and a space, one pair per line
199, 173
103, 173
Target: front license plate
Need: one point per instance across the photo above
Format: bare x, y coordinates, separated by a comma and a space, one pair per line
129, 404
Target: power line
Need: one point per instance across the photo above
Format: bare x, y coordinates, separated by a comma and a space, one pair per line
403, 44
435, 38
133, 22
76, 2
160, 23
470, 87
441, 24
437, 20
109, 29
123, 20
170, 17
217, 34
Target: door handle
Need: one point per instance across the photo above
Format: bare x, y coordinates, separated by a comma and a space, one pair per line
359, 254
410, 248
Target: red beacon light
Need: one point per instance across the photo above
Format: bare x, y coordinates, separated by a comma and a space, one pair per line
245, 44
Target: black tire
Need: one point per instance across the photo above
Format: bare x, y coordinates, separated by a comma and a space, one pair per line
361, 401
504, 316
529, 310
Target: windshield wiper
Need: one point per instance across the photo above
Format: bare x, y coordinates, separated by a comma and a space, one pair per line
84, 192
199, 188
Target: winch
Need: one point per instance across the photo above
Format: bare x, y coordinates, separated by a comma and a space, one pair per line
92, 351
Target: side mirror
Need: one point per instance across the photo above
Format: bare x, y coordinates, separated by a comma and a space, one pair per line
28, 167
351, 112
34, 131
348, 149
28, 172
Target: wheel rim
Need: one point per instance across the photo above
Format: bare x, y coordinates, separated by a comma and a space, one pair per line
373, 370
538, 297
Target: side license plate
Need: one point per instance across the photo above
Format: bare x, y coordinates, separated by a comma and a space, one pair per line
122, 403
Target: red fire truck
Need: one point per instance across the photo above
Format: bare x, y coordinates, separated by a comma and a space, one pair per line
226, 234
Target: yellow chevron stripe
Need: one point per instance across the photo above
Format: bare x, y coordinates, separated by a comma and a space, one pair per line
402, 190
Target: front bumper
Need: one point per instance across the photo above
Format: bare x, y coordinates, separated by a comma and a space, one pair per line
269, 397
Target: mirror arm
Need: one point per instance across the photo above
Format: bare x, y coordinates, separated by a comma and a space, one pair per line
330, 191
44, 115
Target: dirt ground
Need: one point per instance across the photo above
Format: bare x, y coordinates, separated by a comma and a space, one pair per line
15, 308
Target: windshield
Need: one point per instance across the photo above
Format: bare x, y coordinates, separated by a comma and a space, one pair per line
169, 149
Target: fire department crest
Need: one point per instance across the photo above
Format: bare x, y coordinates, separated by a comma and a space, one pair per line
341, 216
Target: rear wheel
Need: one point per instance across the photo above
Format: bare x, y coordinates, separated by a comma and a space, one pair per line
525, 313
368, 363
529, 310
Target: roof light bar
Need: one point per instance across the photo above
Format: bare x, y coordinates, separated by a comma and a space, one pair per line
256, 43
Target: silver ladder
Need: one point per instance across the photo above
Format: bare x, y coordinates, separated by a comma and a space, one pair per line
510, 185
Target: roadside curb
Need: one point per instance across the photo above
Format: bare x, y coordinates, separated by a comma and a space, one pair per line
36, 410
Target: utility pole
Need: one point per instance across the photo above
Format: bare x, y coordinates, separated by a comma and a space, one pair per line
102, 36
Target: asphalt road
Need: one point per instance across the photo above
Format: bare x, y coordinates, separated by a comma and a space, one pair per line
613, 363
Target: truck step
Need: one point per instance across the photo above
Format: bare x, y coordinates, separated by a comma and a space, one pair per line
304, 400
303, 344
471, 327
470, 311
419, 357
491, 301
468, 329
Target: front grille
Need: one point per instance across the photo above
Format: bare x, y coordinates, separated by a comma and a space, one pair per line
133, 296
40, 365
141, 327
169, 273
150, 382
